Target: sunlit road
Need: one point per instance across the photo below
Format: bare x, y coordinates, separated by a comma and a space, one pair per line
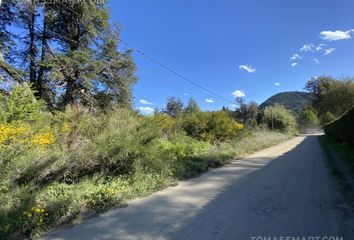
285, 190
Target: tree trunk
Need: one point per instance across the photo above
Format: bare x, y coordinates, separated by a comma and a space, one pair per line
69, 94
42, 68
32, 46
72, 80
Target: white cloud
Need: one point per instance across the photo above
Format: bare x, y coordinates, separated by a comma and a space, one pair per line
143, 101
209, 100
233, 105
247, 68
328, 51
277, 84
320, 47
238, 93
294, 64
185, 94
296, 57
308, 48
146, 110
315, 60
336, 35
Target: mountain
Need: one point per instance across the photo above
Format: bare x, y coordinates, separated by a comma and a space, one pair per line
294, 101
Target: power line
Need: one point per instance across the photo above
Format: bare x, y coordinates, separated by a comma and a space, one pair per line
176, 73
184, 85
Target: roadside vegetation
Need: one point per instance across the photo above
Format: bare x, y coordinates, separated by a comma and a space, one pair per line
332, 109
59, 168
340, 162
342, 129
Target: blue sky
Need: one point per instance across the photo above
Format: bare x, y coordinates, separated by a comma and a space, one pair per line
230, 45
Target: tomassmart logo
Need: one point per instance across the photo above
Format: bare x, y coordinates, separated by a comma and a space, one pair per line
296, 238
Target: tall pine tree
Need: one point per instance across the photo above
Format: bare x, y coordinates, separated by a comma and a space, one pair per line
69, 52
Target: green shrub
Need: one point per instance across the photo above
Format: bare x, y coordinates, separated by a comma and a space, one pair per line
180, 147
210, 126
163, 122
279, 118
327, 117
184, 155
308, 118
20, 105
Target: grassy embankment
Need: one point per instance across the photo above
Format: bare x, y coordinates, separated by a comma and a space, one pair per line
338, 146
340, 161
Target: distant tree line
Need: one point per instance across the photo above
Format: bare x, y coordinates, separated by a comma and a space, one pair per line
249, 115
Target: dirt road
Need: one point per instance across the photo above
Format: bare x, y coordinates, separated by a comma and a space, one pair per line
285, 190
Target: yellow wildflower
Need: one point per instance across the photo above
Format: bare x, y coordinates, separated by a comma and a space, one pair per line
239, 126
9, 132
44, 139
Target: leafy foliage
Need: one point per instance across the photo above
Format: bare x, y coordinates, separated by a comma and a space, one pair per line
248, 113
20, 105
72, 58
308, 118
279, 118
174, 107
332, 95
342, 130
327, 117
6, 18
210, 126
192, 107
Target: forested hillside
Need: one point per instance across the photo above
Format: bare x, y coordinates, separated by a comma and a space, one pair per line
294, 101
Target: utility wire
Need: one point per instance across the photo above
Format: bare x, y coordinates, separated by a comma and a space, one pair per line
176, 73
184, 85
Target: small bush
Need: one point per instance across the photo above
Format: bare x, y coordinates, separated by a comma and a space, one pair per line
308, 118
210, 126
20, 105
163, 122
327, 117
